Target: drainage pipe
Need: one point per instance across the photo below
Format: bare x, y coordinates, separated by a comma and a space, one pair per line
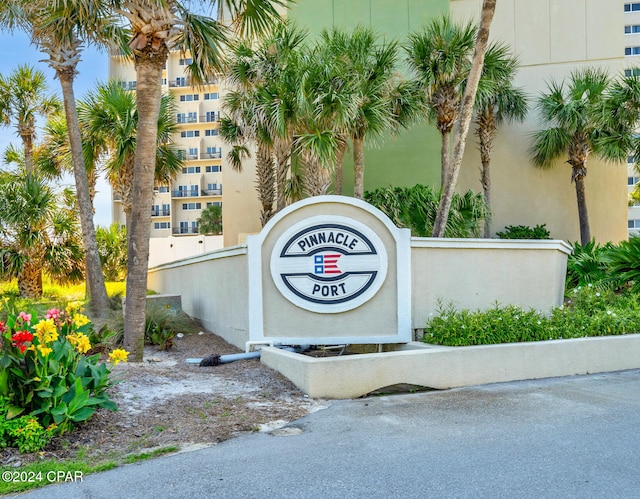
216, 359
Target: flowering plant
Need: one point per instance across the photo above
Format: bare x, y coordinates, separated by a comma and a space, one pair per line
45, 369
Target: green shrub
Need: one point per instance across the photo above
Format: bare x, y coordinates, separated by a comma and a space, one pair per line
162, 324
590, 312
26, 433
588, 265
524, 232
416, 208
623, 261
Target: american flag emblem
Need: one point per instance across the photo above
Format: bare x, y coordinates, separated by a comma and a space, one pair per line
326, 264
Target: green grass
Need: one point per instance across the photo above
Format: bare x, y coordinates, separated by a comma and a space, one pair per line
39, 474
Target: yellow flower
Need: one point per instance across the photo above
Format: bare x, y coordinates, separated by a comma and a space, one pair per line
118, 355
37, 379
80, 341
44, 350
46, 331
73, 308
80, 320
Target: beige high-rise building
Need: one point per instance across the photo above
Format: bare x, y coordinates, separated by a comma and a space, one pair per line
632, 66
550, 37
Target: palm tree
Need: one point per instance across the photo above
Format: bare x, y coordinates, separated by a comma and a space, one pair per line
366, 70
109, 121
464, 119
577, 116
497, 102
263, 107
440, 58
156, 29
210, 221
37, 233
23, 98
112, 245
59, 28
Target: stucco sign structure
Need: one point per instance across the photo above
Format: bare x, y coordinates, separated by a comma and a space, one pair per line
330, 270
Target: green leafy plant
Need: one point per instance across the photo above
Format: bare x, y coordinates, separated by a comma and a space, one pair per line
45, 372
623, 261
26, 433
524, 232
162, 324
589, 312
416, 208
588, 264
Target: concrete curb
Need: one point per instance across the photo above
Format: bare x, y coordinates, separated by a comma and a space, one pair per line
448, 367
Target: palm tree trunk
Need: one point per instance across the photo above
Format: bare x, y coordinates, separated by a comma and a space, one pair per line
445, 156
283, 153
30, 279
486, 131
583, 214
464, 119
358, 168
148, 97
96, 289
27, 142
265, 182
342, 149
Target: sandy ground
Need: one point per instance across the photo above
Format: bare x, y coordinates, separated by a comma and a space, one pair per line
166, 401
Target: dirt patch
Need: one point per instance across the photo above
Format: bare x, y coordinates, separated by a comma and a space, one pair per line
165, 401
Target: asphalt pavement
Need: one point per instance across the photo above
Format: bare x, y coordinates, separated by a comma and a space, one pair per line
556, 438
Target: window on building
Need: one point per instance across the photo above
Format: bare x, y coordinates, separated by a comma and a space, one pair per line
163, 188
212, 132
214, 203
192, 117
632, 7
213, 169
189, 97
190, 169
193, 153
162, 225
631, 51
191, 206
211, 96
633, 224
633, 180
632, 72
213, 187
630, 29
189, 133
185, 62
212, 116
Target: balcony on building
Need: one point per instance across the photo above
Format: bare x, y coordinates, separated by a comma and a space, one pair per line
185, 230
160, 213
191, 193
210, 117
180, 82
181, 118
212, 192
211, 155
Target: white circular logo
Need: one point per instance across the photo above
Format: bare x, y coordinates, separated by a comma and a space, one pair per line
328, 264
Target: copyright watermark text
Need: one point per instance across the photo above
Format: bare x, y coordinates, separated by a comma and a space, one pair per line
39, 476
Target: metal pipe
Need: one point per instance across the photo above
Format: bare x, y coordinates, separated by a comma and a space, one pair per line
215, 359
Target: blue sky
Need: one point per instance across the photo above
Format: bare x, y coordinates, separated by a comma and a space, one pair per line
16, 49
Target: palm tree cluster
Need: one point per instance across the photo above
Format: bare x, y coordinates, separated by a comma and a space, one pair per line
147, 30
312, 101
